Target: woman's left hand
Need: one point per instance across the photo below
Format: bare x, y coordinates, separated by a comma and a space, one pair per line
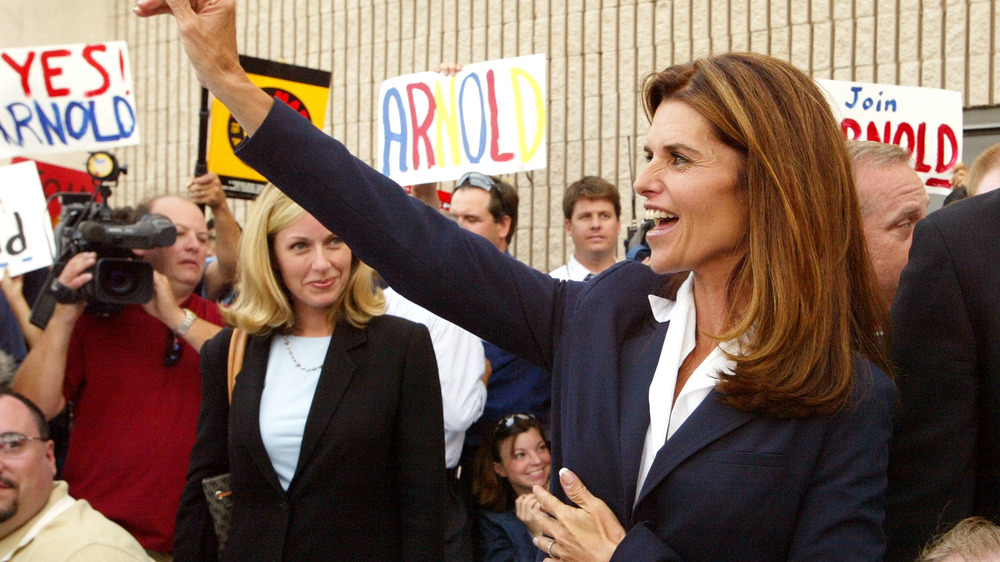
589, 532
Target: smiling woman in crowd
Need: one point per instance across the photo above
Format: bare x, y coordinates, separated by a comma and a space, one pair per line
335, 423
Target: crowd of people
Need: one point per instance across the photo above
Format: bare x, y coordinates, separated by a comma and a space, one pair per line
806, 367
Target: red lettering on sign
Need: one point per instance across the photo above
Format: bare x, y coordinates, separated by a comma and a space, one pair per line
851, 128
495, 153
50, 72
420, 129
905, 129
106, 80
22, 70
920, 166
944, 131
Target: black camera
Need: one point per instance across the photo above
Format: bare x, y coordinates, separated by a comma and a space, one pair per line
120, 277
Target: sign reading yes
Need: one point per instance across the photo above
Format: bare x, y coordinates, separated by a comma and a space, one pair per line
66, 98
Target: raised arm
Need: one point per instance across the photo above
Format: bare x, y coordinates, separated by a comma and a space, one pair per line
208, 34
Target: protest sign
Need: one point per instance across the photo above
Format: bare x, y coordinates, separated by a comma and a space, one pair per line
66, 98
926, 121
490, 118
59, 179
26, 241
306, 90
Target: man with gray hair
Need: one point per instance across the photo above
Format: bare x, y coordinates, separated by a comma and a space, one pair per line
892, 199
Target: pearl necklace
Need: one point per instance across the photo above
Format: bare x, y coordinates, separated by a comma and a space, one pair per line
296, 361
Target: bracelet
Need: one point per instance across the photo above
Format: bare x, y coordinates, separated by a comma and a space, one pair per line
186, 324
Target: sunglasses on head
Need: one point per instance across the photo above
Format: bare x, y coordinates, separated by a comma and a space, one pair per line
507, 421
475, 179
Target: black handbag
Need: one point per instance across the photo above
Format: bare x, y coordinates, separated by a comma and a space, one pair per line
218, 492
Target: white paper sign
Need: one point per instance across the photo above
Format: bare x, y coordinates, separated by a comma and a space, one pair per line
26, 241
926, 121
66, 98
490, 118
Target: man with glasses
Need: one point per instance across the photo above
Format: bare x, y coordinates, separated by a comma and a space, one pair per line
38, 518
134, 383
488, 206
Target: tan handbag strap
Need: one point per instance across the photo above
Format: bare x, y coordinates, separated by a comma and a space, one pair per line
237, 349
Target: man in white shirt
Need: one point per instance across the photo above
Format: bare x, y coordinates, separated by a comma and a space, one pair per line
593, 208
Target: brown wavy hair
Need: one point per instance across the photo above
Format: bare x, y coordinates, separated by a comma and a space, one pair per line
804, 299
492, 491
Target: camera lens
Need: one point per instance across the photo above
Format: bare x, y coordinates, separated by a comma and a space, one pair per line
120, 282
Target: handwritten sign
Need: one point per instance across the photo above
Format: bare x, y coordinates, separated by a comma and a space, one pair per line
26, 241
61, 181
926, 121
306, 90
490, 118
66, 98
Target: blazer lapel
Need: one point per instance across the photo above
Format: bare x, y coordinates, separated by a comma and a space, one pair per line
710, 421
333, 380
246, 395
639, 359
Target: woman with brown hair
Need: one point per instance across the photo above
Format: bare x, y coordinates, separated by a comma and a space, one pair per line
723, 403
514, 457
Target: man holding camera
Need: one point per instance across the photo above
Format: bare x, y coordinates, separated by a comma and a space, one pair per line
134, 383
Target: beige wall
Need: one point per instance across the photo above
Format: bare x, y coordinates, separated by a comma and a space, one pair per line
597, 50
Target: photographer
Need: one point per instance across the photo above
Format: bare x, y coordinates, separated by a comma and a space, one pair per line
133, 380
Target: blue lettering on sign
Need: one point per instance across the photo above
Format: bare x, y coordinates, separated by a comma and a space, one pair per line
392, 136
77, 120
867, 103
482, 122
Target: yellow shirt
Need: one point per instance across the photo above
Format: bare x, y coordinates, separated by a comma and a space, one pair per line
79, 534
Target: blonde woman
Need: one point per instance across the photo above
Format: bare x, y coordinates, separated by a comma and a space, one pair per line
334, 430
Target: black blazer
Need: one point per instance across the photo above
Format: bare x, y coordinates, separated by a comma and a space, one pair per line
370, 478
729, 485
945, 459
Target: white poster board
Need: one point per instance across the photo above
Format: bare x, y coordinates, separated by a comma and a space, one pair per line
926, 121
66, 98
490, 118
26, 241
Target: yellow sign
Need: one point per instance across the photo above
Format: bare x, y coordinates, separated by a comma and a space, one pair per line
306, 90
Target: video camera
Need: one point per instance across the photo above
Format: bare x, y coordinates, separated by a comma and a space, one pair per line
120, 277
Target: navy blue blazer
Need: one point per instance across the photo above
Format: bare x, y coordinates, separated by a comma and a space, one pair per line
729, 485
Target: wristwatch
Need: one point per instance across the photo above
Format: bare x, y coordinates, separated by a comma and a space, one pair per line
186, 324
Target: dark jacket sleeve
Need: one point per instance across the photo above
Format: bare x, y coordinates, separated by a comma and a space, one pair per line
420, 453
493, 544
932, 464
194, 538
454, 273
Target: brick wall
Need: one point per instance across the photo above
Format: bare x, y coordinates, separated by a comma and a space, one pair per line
597, 51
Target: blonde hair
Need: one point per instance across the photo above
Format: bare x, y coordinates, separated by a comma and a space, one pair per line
974, 539
262, 303
987, 161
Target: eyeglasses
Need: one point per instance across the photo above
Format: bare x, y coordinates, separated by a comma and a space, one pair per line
475, 179
14, 444
172, 354
507, 421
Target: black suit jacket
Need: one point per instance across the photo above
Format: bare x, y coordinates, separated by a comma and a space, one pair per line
370, 478
945, 459
729, 485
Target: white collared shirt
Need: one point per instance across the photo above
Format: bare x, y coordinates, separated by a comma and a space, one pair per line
572, 271
665, 415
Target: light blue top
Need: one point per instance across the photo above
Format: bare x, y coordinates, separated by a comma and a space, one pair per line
287, 398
